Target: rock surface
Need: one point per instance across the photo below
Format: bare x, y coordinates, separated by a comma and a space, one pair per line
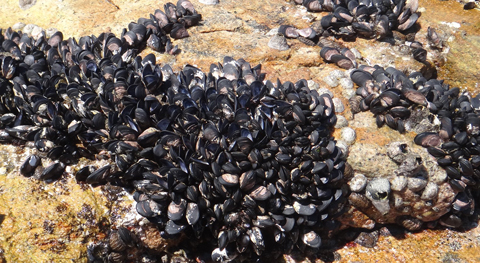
41, 222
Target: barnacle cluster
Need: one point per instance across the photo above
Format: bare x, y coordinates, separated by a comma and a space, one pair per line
399, 101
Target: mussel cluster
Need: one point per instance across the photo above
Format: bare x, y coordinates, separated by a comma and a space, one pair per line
394, 97
57, 93
371, 19
251, 163
152, 32
222, 154
365, 18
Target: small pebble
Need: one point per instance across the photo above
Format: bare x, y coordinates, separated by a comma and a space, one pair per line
348, 135
341, 122
278, 42
358, 183
346, 83
338, 105
331, 81
18, 26
325, 91
209, 2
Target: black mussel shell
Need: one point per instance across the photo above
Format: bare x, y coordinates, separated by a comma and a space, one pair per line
31, 163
